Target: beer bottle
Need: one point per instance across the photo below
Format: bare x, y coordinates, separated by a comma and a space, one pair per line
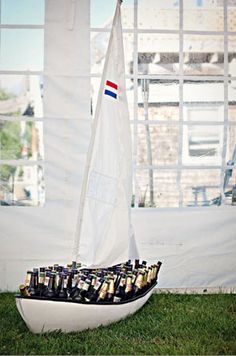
145, 273
136, 264
33, 284
90, 291
74, 283
129, 287
28, 278
103, 291
50, 291
158, 266
96, 289
75, 293
24, 291
41, 281
143, 264
120, 291
46, 281
83, 291
63, 292
138, 283
149, 277
36, 272
74, 265
111, 290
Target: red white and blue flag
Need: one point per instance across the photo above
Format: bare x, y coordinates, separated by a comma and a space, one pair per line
111, 89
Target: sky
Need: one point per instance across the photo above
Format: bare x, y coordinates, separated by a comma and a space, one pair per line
23, 49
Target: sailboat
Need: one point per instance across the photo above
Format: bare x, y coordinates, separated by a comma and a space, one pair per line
103, 235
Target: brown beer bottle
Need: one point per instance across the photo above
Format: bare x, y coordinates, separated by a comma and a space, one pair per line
111, 290
103, 291
138, 283
24, 291
129, 287
120, 290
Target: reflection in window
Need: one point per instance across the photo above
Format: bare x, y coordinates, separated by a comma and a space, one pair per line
207, 15
202, 145
158, 53
162, 15
162, 191
161, 140
21, 185
162, 97
203, 100
203, 55
200, 187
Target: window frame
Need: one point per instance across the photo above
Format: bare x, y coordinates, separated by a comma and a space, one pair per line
21, 162
180, 77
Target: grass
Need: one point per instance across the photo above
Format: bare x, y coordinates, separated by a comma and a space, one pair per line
167, 325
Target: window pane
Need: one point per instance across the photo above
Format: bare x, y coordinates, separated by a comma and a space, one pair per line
99, 43
203, 55
162, 15
22, 185
203, 15
200, 187
21, 49
102, 12
232, 58
21, 95
203, 101
164, 188
232, 100
21, 140
158, 53
202, 145
232, 15
22, 12
231, 145
158, 144
163, 99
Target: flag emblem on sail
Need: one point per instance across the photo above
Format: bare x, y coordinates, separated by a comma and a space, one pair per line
111, 89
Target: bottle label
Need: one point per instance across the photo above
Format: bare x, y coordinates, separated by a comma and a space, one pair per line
128, 287
111, 288
27, 280
103, 291
116, 299
86, 286
74, 281
97, 285
149, 277
139, 281
57, 280
80, 285
65, 283
41, 278
46, 282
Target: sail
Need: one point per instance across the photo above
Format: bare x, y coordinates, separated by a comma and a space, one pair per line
104, 234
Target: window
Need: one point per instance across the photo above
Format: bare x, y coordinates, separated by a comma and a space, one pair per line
180, 62
21, 109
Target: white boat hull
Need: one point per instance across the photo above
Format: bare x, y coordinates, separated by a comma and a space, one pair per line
50, 315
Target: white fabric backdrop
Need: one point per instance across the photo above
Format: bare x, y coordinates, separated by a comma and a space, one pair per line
197, 246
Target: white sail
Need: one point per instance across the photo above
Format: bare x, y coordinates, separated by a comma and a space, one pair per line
103, 235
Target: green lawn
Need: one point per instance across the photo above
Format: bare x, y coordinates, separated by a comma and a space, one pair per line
167, 325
